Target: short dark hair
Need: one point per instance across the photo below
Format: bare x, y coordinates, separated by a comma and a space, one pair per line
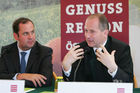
103, 22
16, 23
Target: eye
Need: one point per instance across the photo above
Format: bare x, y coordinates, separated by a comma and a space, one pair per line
86, 30
32, 32
25, 33
92, 31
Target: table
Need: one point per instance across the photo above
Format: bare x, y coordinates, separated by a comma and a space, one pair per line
136, 90
44, 89
51, 89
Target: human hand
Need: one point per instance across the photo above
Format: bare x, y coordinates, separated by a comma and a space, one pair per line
107, 59
35, 78
72, 55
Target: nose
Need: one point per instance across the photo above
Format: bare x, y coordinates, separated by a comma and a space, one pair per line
30, 36
87, 34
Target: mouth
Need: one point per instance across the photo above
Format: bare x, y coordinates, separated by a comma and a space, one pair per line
90, 41
31, 42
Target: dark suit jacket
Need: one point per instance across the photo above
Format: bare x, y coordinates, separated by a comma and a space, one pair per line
39, 62
91, 70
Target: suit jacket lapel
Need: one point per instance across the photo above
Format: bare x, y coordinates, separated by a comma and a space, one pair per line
14, 58
108, 45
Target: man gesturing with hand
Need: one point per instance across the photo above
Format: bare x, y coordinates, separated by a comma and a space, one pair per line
107, 60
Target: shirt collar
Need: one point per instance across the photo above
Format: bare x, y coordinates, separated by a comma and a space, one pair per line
20, 50
100, 49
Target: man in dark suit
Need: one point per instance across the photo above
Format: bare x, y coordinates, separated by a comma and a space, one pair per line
100, 58
26, 59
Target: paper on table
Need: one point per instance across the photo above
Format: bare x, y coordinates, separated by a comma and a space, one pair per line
47, 92
28, 89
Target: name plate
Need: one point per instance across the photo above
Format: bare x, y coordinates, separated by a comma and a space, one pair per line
12, 86
93, 87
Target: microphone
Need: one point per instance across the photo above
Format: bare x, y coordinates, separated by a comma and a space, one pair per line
86, 50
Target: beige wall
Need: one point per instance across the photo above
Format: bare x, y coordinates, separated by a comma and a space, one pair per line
134, 36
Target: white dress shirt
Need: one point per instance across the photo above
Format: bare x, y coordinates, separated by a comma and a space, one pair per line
26, 58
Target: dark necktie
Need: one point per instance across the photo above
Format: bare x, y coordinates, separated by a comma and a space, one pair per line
23, 62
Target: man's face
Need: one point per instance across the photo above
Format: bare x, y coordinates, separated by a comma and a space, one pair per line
26, 36
93, 35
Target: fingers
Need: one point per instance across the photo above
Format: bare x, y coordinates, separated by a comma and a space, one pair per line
72, 56
98, 52
77, 53
34, 82
104, 49
113, 52
75, 47
43, 81
35, 78
40, 78
38, 81
98, 59
79, 50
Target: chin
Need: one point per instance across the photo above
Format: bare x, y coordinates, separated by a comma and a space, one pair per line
29, 46
90, 45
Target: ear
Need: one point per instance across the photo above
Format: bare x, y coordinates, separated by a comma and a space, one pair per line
15, 36
106, 32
